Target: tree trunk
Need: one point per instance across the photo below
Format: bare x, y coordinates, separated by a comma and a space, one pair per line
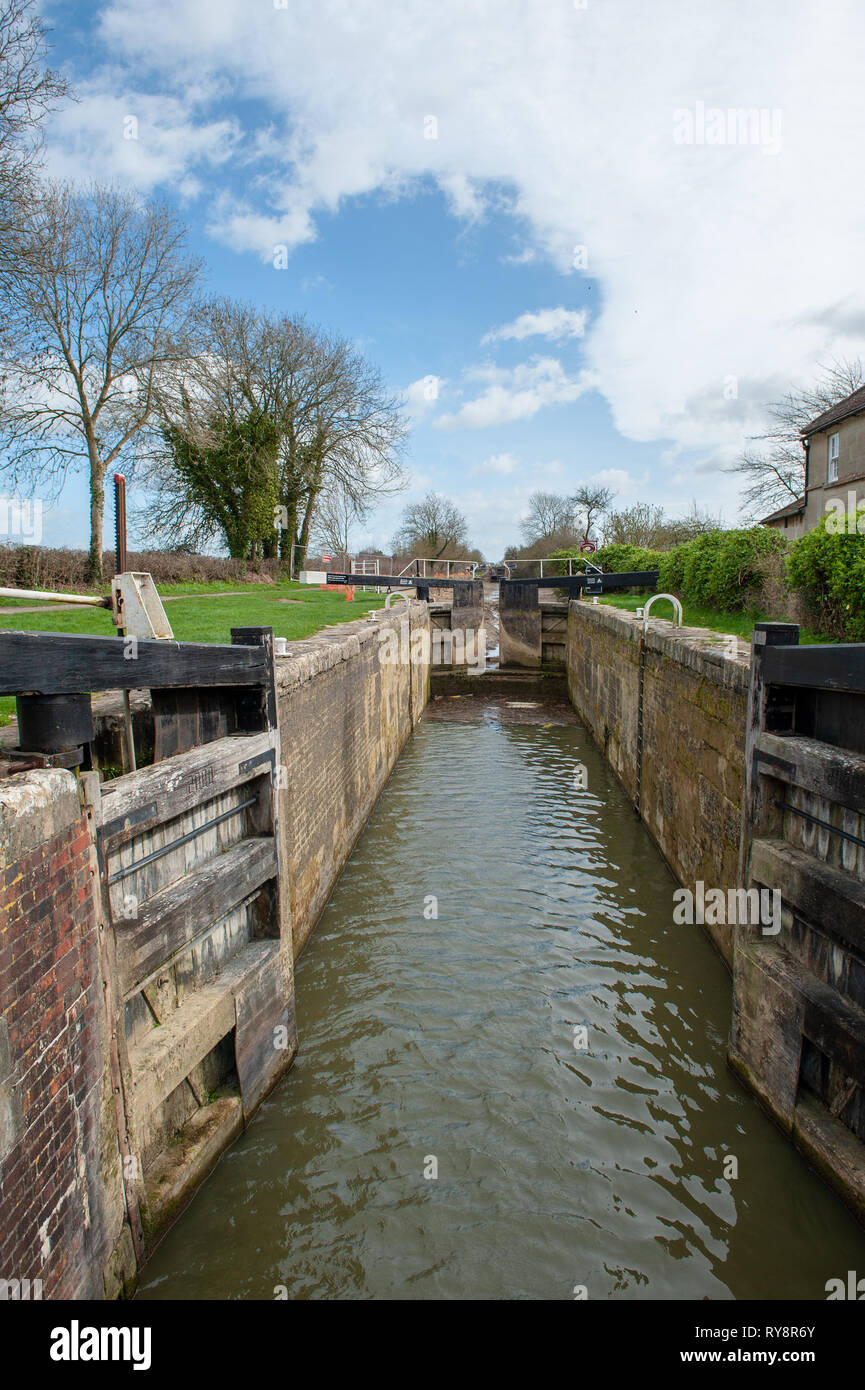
303, 538
288, 536
95, 571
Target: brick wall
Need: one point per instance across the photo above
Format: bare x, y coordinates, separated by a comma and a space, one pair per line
54, 1222
344, 716
695, 701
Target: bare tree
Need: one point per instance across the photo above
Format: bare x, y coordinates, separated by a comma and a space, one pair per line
547, 512
431, 528
28, 92
356, 433
95, 290
773, 468
336, 514
647, 525
590, 502
338, 426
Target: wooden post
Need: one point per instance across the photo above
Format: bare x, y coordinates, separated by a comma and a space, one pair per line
120, 566
120, 523
257, 709
753, 803
132, 1177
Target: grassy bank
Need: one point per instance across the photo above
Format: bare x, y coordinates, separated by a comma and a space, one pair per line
207, 613
735, 624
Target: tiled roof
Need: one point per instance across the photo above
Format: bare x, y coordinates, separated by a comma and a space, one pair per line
849, 406
792, 509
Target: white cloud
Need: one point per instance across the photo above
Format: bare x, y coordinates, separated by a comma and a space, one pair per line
621, 481
527, 256
138, 138
711, 261
517, 393
546, 323
315, 282
421, 396
501, 465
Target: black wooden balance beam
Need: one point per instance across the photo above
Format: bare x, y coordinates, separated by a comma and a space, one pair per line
592, 582
51, 663
391, 581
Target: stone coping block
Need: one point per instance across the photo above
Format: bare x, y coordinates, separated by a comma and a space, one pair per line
309, 656
35, 806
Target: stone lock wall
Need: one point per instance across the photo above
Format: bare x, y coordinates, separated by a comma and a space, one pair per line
61, 1205
344, 715
694, 711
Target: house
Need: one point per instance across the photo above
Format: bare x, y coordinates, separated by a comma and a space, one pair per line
790, 519
834, 465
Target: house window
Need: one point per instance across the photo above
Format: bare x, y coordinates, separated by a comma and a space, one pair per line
832, 474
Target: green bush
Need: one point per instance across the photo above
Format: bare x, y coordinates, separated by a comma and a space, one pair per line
740, 563
720, 569
578, 565
617, 559
827, 570
698, 585
671, 571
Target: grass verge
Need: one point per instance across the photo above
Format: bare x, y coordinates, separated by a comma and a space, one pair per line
735, 624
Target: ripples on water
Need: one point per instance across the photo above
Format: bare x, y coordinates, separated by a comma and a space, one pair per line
454, 1039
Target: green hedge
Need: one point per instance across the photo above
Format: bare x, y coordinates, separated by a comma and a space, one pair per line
826, 569
720, 569
724, 570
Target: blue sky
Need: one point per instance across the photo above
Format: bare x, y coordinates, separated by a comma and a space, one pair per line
709, 283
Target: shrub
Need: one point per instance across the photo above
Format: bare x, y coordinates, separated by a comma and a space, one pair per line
827, 571
671, 572
738, 569
38, 567
721, 569
621, 558
701, 554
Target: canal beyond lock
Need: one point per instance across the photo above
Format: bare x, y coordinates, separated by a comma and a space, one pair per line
566, 1159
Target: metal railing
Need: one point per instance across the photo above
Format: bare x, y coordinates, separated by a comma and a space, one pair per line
45, 596
542, 560
419, 560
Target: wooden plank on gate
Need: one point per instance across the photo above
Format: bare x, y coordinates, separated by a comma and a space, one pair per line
175, 917
830, 899
138, 802
51, 663
836, 667
835, 773
264, 1004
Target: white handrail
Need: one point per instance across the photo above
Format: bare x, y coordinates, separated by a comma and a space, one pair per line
431, 560
677, 608
92, 600
397, 593
541, 560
